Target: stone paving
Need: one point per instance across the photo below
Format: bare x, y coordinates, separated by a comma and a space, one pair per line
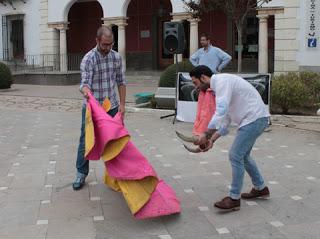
38, 147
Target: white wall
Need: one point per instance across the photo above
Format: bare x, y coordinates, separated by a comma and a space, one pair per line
275, 3
178, 6
58, 10
31, 24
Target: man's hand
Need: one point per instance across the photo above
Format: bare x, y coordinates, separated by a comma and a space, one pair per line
201, 140
85, 91
122, 110
209, 145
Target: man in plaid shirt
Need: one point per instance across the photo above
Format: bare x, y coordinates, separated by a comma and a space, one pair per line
101, 72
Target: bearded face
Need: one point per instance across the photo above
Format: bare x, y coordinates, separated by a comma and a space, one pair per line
204, 86
200, 84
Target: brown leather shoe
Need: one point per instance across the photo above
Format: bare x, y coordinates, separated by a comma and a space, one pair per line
228, 204
264, 193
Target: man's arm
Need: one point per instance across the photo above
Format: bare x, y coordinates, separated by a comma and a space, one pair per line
194, 59
121, 82
122, 95
86, 77
225, 59
221, 120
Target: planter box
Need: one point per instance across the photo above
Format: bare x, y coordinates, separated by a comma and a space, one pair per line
165, 97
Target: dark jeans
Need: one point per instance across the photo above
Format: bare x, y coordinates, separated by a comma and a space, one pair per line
83, 164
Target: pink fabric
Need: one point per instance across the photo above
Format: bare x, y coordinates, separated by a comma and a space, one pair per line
163, 202
106, 129
205, 111
130, 164
126, 164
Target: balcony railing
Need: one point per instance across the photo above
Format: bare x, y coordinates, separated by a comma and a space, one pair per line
45, 63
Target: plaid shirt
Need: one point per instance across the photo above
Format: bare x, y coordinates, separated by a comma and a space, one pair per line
101, 74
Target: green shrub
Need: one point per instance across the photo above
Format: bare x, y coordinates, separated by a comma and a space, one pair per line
5, 76
168, 77
312, 82
289, 91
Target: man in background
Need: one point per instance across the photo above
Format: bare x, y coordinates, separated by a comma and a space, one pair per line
210, 56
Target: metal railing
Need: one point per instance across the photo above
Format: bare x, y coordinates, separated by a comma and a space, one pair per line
45, 63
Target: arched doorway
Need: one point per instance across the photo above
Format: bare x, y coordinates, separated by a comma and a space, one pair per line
144, 34
84, 19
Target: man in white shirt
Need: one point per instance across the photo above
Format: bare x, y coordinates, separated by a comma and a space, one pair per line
239, 102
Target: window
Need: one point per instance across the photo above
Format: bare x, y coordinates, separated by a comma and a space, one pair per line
13, 37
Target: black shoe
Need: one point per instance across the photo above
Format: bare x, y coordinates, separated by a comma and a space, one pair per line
79, 183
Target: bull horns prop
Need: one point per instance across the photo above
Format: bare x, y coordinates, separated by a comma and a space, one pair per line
192, 139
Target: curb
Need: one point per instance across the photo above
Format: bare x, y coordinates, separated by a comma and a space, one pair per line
131, 109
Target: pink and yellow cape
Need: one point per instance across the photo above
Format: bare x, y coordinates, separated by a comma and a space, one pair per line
126, 169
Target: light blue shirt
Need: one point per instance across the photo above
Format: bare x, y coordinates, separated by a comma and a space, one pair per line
214, 58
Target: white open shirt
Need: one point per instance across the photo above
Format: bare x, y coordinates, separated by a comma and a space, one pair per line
237, 101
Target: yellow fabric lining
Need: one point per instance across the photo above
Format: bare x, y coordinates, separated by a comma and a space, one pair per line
106, 105
89, 132
114, 147
111, 182
137, 192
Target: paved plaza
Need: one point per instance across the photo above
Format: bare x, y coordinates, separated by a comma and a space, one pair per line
38, 144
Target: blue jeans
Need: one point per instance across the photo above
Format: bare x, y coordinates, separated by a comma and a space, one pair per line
82, 164
241, 160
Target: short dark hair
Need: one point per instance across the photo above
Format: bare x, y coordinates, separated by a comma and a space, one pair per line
201, 70
205, 35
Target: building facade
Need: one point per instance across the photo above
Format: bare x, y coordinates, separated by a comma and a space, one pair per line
282, 36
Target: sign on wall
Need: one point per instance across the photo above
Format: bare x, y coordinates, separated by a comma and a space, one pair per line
313, 23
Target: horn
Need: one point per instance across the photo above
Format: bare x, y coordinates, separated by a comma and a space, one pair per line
186, 138
192, 150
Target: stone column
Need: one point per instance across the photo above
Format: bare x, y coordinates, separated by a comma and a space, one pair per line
63, 50
56, 49
121, 22
122, 42
263, 43
194, 35
63, 27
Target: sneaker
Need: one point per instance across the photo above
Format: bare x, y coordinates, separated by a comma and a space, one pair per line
264, 193
228, 204
79, 182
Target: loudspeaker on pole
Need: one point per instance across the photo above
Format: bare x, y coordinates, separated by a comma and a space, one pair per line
173, 38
